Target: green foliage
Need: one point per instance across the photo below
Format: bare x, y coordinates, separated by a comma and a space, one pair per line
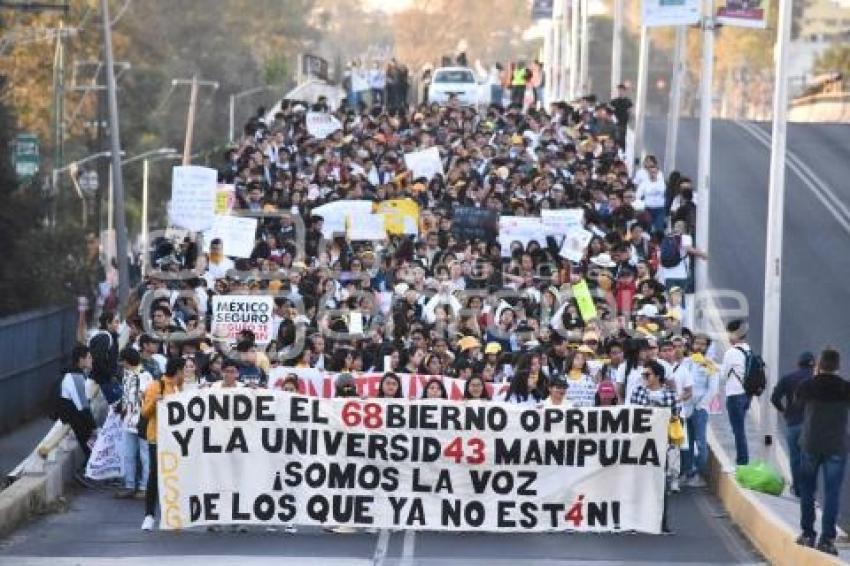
276, 71
836, 59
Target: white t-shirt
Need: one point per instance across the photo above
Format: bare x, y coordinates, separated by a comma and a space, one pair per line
732, 369
582, 391
681, 270
635, 379
652, 193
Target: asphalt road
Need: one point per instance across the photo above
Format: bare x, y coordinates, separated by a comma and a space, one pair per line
816, 244
97, 529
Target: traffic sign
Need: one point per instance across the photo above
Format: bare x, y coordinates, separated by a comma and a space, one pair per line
26, 155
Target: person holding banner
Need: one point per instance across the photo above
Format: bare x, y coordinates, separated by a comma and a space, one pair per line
169, 384
654, 393
435, 389
390, 387
475, 389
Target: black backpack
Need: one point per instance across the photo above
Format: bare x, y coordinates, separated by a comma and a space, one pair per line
671, 251
754, 381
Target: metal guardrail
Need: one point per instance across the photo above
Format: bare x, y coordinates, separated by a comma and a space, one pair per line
34, 348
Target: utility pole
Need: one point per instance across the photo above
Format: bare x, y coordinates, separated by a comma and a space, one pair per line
704, 143
59, 99
584, 83
195, 85
775, 217
675, 99
640, 101
617, 48
118, 182
554, 61
574, 50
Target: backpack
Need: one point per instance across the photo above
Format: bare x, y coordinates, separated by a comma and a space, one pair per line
671, 251
754, 381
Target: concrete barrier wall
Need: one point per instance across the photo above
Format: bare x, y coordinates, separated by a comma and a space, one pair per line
821, 108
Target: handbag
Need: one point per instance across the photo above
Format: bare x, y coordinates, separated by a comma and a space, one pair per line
142, 425
675, 431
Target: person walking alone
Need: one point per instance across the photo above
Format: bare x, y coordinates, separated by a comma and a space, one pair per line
733, 372
784, 398
823, 444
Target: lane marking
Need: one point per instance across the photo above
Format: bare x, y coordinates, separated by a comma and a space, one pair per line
381, 548
821, 191
408, 549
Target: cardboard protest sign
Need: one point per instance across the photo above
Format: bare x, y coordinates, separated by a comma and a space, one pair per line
321, 125
560, 222
193, 197
334, 214
521, 229
232, 314
425, 163
237, 235
269, 458
225, 199
586, 306
401, 216
469, 222
575, 244
368, 227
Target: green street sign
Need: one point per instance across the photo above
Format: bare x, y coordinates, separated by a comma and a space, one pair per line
26, 155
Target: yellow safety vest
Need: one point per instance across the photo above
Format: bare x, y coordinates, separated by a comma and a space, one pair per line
519, 77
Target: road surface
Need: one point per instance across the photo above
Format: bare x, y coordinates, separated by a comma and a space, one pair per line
97, 529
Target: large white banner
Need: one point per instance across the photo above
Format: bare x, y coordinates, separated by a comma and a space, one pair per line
193, 197
231, 314
318, 383
670, 12
559, 222
270, 458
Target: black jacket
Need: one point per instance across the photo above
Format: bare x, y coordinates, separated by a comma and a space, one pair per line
826, 401
104, 353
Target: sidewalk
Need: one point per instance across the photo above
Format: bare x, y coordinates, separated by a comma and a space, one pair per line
17, 444
784, 509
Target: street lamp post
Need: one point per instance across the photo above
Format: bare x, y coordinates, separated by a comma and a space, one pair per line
231, 134
704, 144
146, 158
73, 169
775, 218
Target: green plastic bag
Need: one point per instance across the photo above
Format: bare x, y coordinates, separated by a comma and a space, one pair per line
760, 476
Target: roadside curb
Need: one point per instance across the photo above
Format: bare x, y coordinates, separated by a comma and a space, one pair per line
42, 482
766, 531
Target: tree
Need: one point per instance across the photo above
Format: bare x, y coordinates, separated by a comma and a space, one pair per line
836, 59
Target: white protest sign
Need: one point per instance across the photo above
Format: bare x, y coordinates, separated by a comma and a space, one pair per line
670, 12
237, 235
271, 458
559, 222
106, 461
232, 314
521, 229
366, 227
334, 214
321, 125
193, 197
575, 244
425, 163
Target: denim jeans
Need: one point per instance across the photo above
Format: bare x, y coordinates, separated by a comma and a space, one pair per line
833, 474
659, 218
135, 449
792, 437
736, 407
697, 443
